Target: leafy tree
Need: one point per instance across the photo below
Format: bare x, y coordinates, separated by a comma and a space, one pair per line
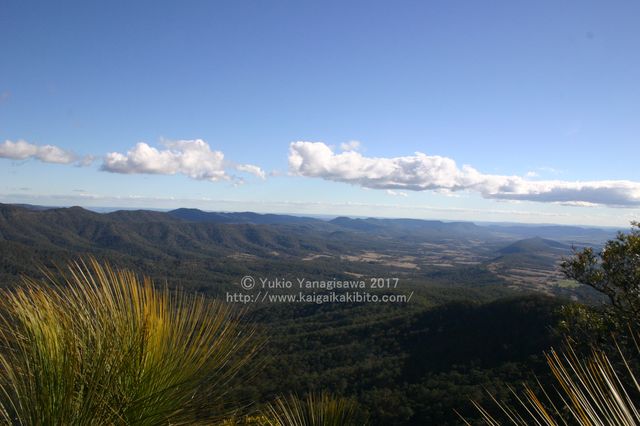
615, 272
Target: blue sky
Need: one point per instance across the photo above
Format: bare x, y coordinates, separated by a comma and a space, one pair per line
539, 98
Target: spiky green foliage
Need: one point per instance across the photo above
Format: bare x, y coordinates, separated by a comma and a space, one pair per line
107, 347
589, 392
315, 410
249, 420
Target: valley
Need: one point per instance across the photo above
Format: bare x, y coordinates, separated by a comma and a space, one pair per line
200, 248
476, 290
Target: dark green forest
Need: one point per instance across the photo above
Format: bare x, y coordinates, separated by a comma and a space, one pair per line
469, 331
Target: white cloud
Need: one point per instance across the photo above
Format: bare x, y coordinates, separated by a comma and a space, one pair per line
578, 204
420, 172
254, 170
54, 154
87, 160
192, 158
350, 146
22, 150
397, 193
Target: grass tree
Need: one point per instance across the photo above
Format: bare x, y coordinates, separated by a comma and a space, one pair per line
321, 409
104, 346
587, 391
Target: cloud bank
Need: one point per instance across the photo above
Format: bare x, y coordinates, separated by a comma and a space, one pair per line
22, 150
192, 158
421, 172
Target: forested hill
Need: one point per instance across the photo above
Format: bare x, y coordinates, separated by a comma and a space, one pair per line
198, 247
467, 328
409, 365
195, 215
146, 233
13, 214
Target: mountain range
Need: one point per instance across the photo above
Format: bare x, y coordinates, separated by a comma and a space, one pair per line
220, 244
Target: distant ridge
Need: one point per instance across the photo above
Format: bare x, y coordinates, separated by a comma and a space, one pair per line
534, 245
196, 245
78, 220
157, 235
196, 215
418, 228
34, 207
574, 234
355, 224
